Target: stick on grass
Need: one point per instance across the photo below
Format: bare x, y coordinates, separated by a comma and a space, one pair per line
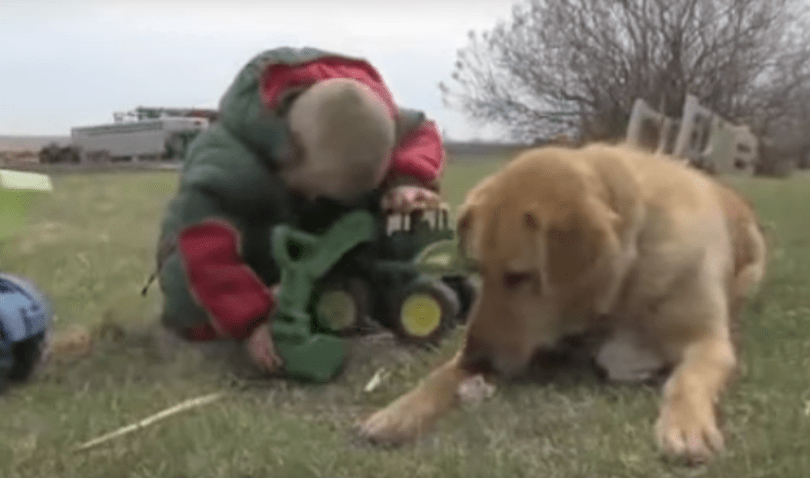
180, 407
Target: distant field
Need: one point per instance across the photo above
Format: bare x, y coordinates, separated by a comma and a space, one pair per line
466, 149
91, 245
30, 143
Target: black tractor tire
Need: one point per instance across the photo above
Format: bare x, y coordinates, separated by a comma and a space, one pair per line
466, 292
425, 312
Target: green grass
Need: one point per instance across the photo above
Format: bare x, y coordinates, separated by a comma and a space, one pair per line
90, 246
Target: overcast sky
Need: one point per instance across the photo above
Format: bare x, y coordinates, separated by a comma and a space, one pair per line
70, 63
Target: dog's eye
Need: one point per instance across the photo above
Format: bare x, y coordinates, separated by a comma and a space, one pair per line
512, 280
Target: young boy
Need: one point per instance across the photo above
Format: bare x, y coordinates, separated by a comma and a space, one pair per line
303, 134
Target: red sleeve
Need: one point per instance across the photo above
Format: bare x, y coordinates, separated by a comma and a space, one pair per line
420, 154
225, 286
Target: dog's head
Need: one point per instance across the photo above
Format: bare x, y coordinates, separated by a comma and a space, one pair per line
537, 232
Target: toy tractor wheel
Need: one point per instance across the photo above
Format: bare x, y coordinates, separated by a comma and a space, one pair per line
466, 292
426, 311
342, 306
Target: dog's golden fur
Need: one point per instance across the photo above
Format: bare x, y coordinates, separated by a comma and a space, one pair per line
602, 238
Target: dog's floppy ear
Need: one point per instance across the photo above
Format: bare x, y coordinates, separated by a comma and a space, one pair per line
468, 212
573, 244
464, 224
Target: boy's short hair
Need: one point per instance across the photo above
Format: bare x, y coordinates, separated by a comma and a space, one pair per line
344, 135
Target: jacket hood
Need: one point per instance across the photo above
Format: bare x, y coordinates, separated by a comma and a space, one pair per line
244, 112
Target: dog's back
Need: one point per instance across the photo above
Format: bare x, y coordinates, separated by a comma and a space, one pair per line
748, 243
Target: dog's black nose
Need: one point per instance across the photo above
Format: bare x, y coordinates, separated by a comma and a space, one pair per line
476, 358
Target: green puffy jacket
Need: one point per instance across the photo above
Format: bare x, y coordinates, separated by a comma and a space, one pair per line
214, 263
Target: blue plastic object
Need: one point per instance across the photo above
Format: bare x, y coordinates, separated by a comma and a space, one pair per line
25, 318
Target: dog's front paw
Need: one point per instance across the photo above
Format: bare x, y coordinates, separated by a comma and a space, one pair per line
688, 430
402, 421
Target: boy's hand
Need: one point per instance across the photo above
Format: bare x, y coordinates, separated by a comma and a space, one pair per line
261, 349
403, 199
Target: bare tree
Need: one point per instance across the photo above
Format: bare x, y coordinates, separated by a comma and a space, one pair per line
576, 66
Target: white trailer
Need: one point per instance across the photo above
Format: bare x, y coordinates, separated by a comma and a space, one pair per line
699, 137
148, 139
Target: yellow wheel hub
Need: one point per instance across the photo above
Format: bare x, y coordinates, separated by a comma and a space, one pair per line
420, 315
337, 309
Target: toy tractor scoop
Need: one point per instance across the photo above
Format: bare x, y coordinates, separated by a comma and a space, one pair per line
304, 259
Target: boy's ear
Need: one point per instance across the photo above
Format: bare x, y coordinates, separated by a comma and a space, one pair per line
291, 154
287, 98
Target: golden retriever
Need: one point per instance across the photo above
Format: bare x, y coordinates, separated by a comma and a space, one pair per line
603, 237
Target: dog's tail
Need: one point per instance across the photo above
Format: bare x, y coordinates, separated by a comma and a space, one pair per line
751, 274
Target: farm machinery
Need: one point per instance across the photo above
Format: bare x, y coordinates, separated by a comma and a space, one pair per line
398, 270
25, 314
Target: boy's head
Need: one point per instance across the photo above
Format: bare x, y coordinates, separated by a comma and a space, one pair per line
343, 136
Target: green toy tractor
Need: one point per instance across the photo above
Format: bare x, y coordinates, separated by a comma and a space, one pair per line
398, 270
